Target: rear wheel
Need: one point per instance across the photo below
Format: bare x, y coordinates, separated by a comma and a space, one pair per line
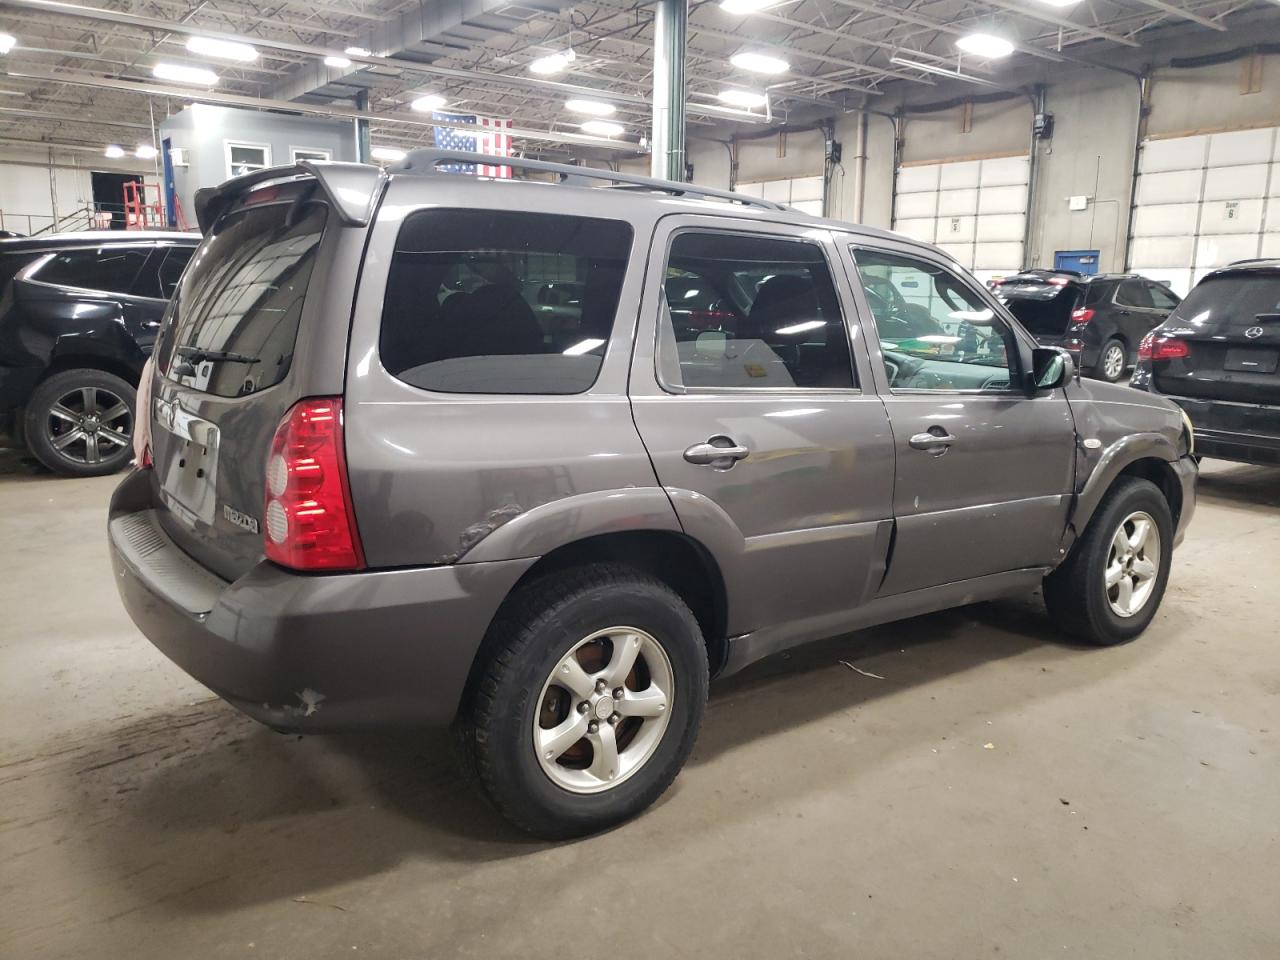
588, 701
80, 422
1109, 588
1112, 361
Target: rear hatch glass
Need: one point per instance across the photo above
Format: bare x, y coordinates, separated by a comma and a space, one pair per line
229, 340
1043, 308
1231, 325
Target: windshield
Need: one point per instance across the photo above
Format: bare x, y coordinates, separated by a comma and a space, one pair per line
235, 315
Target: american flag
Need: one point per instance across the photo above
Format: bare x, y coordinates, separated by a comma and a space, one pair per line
490, 138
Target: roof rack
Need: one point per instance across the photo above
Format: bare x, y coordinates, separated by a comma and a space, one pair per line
429, 160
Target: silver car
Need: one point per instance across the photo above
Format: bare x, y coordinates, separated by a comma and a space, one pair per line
382, 489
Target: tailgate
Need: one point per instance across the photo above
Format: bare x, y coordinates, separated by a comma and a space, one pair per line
232, 359
1231, 326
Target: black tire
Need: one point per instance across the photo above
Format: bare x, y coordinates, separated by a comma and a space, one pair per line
41, 426
532, 632
1076, 593
1100, 371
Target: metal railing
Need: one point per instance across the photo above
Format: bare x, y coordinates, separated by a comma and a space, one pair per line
92, 216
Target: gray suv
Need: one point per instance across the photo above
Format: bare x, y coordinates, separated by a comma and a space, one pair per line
384, 488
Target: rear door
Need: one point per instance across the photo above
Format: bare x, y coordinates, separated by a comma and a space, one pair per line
754, 411
248, 334
1135, 312
984, 471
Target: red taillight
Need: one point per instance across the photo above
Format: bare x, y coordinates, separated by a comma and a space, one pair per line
146, 463
1081, 315
309, 521
1155, 347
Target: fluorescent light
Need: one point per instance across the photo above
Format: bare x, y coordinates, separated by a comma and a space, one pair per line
803, 327
595, 108
603, 128
180, 74
358, 52
145, 151
553, 62
1060, 3
7, 42
387, 153
583, 346
940, 71
985, 45
742, 98
114, 151
759, 62
337, 62
745, 6
222, 49
428, 102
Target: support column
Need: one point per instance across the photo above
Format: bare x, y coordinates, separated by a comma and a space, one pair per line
362, 129
670, 26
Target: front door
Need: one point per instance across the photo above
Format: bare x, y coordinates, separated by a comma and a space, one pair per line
984, 471
748, 390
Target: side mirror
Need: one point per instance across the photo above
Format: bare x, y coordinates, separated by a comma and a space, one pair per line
1050, 368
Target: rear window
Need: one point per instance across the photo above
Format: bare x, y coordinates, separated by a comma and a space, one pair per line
111, 269
235, 315
1234, 298
492, 301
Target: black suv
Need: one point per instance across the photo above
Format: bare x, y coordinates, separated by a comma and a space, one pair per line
1100, 320
78, 315
1218, 357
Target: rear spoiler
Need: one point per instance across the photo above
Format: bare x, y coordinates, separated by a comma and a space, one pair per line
352, 189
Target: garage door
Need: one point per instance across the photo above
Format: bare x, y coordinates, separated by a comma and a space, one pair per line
976, 210
803, 193
1205, 201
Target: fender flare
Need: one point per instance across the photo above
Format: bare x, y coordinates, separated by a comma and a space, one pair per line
1113, 461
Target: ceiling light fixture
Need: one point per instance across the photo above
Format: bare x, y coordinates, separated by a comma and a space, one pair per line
337, 62
1060, 3
428, 102
387, 153
145, 151
985, 45
603, 128
553, 62
180, 74
759, 62
357, 52
7, 42
594, 108
743, 7
746, 99
940, 71
114, 151
222, 49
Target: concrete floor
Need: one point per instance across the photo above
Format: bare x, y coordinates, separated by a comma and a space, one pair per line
997, 794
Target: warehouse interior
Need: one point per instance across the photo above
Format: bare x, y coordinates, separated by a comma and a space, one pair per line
960, 783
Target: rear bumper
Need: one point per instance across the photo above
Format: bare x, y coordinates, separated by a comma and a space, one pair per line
308, 653
1248, 432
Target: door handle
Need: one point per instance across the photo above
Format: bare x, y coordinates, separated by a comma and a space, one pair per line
719, 452
935, 443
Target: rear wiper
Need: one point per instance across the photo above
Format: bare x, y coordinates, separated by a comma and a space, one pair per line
200, 355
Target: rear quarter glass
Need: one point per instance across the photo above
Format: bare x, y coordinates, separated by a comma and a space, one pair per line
467, 308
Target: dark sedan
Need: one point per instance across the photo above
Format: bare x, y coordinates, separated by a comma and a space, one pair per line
78, 315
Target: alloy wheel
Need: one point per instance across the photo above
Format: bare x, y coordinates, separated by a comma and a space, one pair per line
603, 710
89, 425
1133, 564
1113, 362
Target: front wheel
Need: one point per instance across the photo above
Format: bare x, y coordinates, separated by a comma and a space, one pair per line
587, 702
1109, 588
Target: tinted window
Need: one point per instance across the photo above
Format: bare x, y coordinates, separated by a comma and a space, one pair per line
935, 332
159, 279
490, 301
11, 264
1134, 293
244, 295
1242, 299
111, 269
1163, 298
744, 311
